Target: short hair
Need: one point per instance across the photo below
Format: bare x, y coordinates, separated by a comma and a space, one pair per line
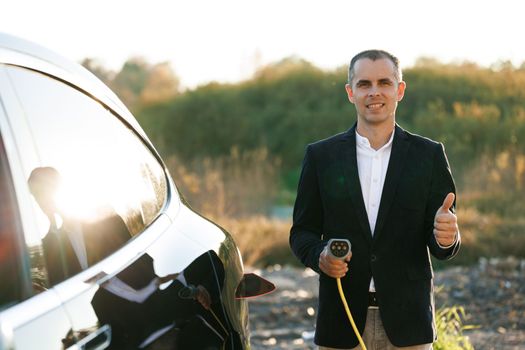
375, 55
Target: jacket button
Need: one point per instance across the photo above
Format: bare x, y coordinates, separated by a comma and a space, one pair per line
373, 257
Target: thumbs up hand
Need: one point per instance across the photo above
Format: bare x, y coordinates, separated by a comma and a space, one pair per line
446, 223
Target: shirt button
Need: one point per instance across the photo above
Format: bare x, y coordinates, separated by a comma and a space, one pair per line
375, 180
373, 257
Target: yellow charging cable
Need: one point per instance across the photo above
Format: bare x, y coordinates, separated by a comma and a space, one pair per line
340, 248
349, 314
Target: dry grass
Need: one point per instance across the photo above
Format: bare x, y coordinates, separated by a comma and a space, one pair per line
489, 235
237, 192
262, 241
237, 185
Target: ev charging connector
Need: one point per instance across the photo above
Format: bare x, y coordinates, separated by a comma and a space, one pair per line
340, 249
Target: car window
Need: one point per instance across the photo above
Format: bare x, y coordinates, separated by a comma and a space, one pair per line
97, 184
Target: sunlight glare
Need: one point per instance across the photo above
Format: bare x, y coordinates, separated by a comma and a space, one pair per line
90, 196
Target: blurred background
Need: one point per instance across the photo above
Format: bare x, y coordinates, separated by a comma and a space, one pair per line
231, 92
236, 149
235, 152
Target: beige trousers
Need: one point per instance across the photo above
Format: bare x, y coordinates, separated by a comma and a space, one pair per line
375, 337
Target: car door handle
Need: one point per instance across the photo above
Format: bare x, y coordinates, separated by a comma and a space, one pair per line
97, 340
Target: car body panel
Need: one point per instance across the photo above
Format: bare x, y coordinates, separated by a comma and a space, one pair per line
83, 311
31, 320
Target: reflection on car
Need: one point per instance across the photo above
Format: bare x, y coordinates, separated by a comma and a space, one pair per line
71, 245
136, 308
97, 248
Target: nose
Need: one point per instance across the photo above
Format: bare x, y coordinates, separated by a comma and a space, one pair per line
374, 91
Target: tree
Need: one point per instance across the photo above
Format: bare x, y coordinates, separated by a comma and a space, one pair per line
161, 84
131, 80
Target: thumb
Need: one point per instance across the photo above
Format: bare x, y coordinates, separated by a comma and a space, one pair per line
448, 202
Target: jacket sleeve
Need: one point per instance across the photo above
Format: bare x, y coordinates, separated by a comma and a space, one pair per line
306, 232
442, 184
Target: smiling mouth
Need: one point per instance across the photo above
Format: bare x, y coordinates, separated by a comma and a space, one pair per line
375, 106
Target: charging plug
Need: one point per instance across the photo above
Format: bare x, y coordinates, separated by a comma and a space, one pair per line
339, 248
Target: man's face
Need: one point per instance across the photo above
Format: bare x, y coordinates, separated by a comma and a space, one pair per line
375, 91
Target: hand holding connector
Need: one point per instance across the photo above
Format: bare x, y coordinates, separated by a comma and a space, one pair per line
333, 259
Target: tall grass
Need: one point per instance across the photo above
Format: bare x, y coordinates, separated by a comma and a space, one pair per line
491, 207
238, 191
237, 185
262, 241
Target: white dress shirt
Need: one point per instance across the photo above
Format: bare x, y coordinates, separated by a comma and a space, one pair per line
372, 166
76, 238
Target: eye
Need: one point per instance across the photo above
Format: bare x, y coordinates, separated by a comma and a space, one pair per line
363, 84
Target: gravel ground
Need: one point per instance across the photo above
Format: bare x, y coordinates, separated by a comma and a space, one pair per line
492, 293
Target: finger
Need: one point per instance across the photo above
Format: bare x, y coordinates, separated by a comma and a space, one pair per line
336, 274
164, 279
445, 242
445, 226
336, 266
330, 260
440, 222
207, 301
448, 202
204, 302
446, 217
445, 235
334, 271
203, 297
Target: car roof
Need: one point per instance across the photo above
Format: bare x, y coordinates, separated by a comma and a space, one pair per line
23, 53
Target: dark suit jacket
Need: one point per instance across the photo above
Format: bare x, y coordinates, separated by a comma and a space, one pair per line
330, 204
101, 238
131, 323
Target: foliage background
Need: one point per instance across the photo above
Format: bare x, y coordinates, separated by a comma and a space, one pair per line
235, 150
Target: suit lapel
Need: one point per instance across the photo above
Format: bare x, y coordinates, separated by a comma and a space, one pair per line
396, 164
351, 173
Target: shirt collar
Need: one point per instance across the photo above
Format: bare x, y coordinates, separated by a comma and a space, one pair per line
362, 141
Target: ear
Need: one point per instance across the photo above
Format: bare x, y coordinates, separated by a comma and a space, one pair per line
401, 86
349, 92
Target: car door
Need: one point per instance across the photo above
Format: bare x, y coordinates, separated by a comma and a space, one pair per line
27, 305
95, 186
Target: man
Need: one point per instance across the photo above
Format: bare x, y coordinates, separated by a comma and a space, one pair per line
389, 192
73, 245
